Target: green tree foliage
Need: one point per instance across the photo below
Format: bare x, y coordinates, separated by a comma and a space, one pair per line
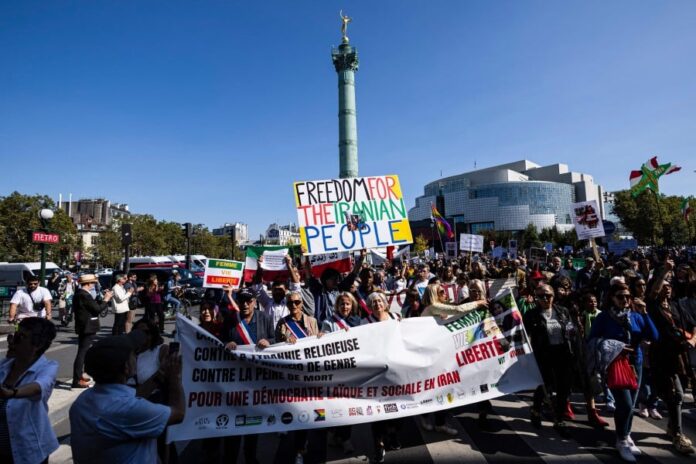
650, 225
108, 248
420, 244
19, 214
530, 237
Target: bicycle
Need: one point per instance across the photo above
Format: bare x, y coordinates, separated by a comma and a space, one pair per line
185, 308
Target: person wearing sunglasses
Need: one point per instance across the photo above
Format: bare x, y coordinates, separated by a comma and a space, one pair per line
552, 335
27, 383
619, 322
290, 329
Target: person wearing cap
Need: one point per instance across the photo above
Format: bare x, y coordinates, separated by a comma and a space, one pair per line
33, 301
27, 376
87, 325
326, 289
120, 304
243, 325
108, 423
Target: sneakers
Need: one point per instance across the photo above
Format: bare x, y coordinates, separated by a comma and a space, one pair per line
682, 444
632, 446
624, 450
378, 458
654, 414
595, 419
425, 425
446, 429
643, 412
610, 406
348, 447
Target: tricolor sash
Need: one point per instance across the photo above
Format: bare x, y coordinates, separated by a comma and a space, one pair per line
294, 327
363, 305
245, 334
340, 322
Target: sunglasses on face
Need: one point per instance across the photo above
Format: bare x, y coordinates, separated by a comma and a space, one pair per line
295, 302
543, 296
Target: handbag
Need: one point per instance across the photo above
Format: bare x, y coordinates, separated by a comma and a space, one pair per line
620, 374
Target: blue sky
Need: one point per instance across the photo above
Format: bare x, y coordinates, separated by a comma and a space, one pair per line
207, 111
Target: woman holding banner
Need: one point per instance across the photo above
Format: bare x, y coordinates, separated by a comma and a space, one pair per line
384, 433
344, 317
290, 329
435, 304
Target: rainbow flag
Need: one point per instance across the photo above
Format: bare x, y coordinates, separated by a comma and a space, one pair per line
443, 226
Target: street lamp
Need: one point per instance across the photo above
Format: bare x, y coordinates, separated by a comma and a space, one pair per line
45, 215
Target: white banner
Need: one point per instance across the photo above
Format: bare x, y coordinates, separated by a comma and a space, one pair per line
471, 243
274, 260
369, 373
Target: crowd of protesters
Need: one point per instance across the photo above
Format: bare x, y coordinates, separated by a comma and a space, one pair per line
620, 331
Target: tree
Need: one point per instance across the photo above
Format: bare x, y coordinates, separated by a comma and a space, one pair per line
530, 237
19, 214
650, 225
420, 244
109, 248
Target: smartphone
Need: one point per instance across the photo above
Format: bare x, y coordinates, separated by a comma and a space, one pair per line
174, 348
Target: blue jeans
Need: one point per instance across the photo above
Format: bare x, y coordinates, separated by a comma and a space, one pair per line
176, 304
647, 395
625, 401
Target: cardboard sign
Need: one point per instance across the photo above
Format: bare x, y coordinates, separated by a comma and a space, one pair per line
451, 249
274, 260
587, 220
351, 214
537, 255
471, 243
221, 272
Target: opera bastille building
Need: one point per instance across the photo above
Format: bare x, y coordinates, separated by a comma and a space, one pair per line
507, 197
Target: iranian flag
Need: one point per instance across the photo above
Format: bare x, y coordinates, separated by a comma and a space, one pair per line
647, 177
339, 261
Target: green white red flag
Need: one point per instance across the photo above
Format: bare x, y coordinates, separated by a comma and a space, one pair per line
647, 177
686, 209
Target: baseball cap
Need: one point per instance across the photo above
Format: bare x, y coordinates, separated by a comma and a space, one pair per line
245, 294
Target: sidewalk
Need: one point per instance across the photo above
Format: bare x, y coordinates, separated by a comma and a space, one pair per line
58, 408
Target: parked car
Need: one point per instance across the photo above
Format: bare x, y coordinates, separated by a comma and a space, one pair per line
163, 274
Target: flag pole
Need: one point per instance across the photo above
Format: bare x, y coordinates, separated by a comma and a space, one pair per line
659, 214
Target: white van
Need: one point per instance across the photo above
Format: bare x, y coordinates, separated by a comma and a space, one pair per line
16, 274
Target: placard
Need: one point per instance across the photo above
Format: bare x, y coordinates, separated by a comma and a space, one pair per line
222, 272
451, 249
471, 243
587, 220
351, 214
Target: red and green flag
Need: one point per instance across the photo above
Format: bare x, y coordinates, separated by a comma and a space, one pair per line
443, 226
647, 177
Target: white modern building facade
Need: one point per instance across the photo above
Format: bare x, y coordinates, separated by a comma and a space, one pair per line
509, 197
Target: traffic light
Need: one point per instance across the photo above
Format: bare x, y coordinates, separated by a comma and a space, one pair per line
126, 237
188, 230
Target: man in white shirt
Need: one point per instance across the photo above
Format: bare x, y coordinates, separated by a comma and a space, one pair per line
120, 305
33, 301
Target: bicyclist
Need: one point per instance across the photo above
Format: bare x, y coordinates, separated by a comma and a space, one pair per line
66, 292
172, 286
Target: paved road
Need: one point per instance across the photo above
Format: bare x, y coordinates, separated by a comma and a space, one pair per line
510, 438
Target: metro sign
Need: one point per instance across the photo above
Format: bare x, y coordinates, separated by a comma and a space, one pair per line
43, 237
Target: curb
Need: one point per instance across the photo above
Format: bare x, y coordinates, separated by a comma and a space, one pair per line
60, 401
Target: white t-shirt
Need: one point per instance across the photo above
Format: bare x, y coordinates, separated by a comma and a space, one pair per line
25, 302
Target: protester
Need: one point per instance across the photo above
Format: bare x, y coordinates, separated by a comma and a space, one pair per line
32, 301
669, 356
133, 301
152, 299
326, 290
108, 423
86, 323
290, 329
210, 321
384, 433
344, 317
120, 304
552, 335
170, 289
243, 325
28, 377
618, 322
66, 292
